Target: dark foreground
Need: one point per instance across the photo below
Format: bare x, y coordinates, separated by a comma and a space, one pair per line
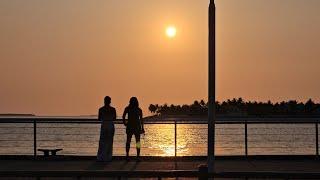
288, 167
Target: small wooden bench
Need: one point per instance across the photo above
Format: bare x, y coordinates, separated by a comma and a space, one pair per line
46, 152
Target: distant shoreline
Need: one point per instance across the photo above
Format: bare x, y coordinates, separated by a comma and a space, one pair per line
15, 115
228, 116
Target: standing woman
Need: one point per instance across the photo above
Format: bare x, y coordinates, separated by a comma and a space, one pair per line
134, 124
107, 114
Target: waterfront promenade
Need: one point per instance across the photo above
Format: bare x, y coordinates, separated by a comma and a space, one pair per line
283, 167
286, 166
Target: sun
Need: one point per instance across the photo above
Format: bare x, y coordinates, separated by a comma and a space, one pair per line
171, 31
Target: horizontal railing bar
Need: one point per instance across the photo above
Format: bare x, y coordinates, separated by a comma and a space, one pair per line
225, 147
271, 141
57, 140
277, 134
285, 150
124, 134
233, 147
148, 129
240, 142
220, 120
164, 123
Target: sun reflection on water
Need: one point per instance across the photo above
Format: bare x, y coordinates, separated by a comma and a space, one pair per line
160, 140
167, 150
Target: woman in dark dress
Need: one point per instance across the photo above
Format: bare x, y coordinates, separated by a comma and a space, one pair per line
107, 114
134, 124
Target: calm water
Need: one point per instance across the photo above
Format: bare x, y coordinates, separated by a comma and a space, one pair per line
82, 139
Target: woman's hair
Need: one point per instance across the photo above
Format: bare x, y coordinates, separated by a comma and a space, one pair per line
134, 103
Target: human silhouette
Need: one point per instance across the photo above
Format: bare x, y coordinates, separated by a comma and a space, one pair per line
134, 125
107, 115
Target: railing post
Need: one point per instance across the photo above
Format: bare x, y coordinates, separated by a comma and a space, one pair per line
175, 138
317, 139
34, 138
246, 137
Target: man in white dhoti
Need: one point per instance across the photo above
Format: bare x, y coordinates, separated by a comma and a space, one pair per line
107, 115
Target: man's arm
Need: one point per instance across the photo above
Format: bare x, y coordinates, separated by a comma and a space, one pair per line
99, 115
124, 117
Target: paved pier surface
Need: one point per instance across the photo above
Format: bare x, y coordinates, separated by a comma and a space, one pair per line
291, 164
288, 164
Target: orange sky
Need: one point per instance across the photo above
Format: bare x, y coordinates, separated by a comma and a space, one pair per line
62, 57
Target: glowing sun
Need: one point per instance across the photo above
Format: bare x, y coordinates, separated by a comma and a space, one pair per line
171, 31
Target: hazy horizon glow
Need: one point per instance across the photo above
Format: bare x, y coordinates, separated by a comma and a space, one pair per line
62, 57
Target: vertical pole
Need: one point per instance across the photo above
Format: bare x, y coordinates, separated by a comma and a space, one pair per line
211, 86
317, 139
246, 137
34, 138
175, 138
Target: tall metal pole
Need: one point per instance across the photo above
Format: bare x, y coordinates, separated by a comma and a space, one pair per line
211, 85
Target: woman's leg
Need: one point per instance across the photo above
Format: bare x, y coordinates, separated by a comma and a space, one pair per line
129, 136
138, 144
101, 155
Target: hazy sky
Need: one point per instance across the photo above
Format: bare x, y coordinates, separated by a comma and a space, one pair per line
61, 57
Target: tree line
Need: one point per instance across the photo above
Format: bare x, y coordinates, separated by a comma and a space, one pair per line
240, 107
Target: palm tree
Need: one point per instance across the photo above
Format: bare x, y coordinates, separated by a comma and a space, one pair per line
153, 108
309, 106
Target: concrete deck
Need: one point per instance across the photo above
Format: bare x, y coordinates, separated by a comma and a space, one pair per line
297, 165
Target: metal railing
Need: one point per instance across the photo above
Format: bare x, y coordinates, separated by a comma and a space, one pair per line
245, 121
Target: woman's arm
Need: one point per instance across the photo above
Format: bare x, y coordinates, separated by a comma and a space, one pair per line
141, 120
115, 115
